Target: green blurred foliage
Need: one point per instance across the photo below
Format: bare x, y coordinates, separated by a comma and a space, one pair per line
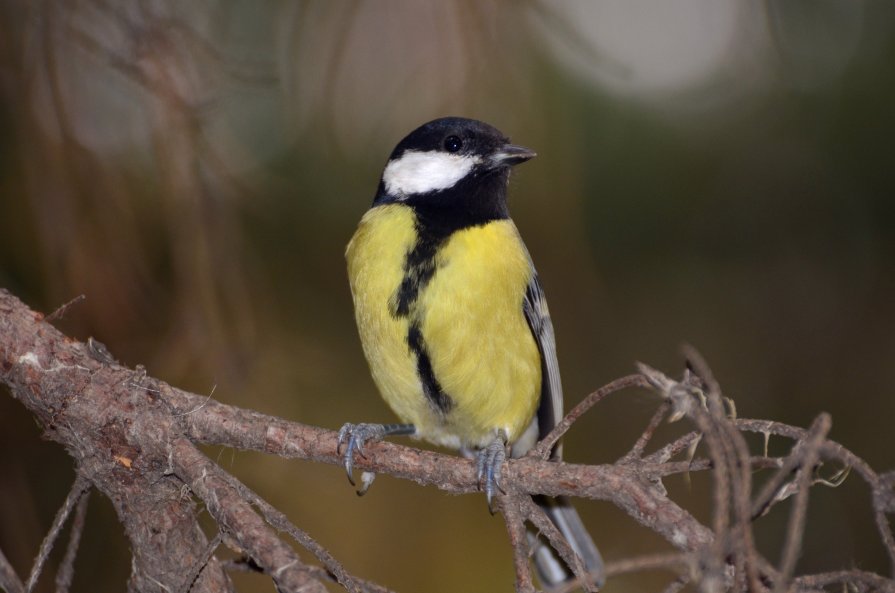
197, 169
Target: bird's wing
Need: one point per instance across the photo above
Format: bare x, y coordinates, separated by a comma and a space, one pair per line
550, 408
560, 510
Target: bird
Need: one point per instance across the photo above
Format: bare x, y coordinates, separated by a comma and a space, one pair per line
452, 317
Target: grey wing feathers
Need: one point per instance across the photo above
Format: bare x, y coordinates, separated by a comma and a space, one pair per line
550, 408
551, 569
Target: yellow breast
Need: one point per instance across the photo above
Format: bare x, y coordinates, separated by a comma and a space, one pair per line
470, 316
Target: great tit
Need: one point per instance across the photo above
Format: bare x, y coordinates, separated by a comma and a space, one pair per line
452, 317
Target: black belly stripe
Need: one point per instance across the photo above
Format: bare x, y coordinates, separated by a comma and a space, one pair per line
431, 387
419, 267
437, 218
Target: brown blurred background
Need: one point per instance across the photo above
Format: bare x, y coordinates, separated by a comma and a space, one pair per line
710, 171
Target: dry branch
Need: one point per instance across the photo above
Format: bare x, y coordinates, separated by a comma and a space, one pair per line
133, 438
78, 490
236, 517
9, 580
67, 568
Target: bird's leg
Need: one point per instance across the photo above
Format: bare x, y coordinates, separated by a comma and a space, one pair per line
355, 436
488, 463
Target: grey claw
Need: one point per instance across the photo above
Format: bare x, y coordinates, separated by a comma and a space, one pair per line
349, 460
489, 463
349, 436
344, 434
355, 436
357, 443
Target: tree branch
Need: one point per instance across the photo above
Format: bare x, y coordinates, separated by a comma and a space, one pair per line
133, 438
9, 580
236, 517
78, 489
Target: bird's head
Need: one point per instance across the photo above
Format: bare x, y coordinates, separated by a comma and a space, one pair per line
450, 155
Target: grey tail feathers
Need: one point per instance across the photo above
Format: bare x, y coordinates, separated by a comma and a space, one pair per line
551, 569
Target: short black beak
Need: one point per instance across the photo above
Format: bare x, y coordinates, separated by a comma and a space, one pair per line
511, 154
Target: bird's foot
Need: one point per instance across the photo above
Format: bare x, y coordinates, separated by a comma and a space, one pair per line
355, 436
488, 463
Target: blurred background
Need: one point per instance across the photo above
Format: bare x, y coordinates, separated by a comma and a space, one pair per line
709, 171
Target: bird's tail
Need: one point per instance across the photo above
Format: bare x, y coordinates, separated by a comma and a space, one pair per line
551, 569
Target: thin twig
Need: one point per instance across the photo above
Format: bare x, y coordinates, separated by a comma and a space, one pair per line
67, 569
9, 580
673, 448
543, 448
685, 399
872, 580
885, 530
58, 313
673, 561
322, 574
728, 485
510, 506
663, 470
817, 433
737, 453
770, 491
200, 565
74, 494
702, 369
742, 472
277, 519
542, 523
637, 450
211, 484
698, 397
246, 564
834, 451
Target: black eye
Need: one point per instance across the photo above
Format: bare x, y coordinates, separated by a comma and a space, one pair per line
453, 144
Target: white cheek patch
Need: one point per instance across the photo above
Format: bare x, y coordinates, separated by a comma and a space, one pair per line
420, 172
